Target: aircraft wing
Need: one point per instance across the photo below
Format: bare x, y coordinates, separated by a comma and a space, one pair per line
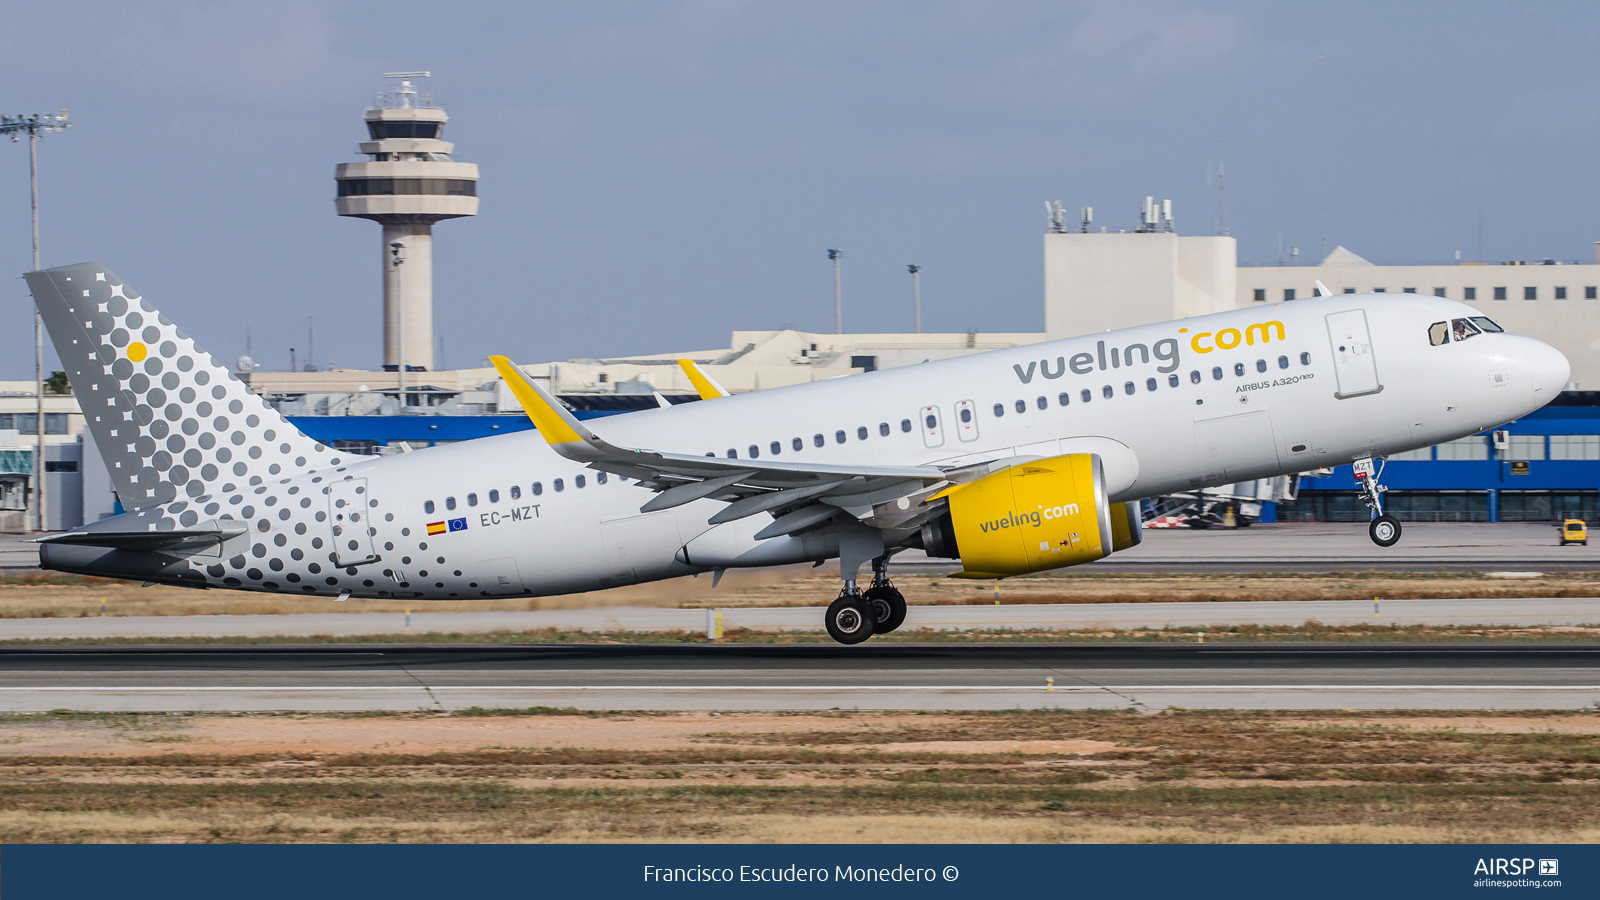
750, 486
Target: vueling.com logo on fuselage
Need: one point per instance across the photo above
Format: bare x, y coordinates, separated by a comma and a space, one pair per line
1164, 351
1229, 338
1035, 519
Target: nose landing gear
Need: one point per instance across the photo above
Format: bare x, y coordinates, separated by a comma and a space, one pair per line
1384, 528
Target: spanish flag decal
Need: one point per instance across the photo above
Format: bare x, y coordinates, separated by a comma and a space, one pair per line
436, 528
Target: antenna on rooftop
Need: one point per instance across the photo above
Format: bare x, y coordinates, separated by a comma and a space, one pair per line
405, 94
1057, 216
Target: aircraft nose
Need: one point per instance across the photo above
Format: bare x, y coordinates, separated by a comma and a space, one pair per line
1548, 370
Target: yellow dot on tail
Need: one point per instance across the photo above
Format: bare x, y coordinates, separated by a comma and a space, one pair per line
137, 352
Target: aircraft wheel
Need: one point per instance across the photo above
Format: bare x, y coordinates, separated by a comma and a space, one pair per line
1384, 530
888, 607
850, 619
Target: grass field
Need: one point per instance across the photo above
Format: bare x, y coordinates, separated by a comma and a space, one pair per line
53, 595
552, 775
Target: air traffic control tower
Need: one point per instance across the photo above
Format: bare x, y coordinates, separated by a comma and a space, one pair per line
408, 183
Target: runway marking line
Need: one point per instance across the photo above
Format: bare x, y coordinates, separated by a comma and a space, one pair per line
829, 688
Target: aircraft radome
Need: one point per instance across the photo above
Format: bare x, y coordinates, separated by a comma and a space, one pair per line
1011, 461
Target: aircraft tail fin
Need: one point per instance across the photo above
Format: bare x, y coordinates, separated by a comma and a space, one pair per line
168, 418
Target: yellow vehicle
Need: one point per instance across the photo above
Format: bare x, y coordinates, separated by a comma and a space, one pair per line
1574, 531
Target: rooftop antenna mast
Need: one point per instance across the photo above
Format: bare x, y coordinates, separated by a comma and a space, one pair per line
1222, 201
405, 96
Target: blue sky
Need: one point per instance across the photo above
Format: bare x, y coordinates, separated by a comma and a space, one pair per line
655, 175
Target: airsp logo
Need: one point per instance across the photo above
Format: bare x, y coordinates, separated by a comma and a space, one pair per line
1515, 867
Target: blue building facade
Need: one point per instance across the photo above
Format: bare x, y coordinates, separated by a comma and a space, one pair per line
1550, 470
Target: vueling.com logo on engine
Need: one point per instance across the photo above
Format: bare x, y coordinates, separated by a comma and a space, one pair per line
1035, 519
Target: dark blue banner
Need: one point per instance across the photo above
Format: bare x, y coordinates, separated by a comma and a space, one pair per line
399, 872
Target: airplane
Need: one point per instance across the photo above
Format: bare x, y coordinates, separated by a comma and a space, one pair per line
1011, 461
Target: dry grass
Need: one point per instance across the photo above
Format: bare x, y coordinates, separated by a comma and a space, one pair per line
70, 596
554, 775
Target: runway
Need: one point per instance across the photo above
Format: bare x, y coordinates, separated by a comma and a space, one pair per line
1286, 547
800, 677
976, 617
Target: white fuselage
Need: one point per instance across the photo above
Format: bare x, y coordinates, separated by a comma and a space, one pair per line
1291, 396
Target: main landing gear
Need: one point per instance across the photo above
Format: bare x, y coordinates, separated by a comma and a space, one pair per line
1384, 528
858, 615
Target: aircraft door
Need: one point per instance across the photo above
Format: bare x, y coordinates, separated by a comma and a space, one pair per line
966, 420
348, 504
932, 426
1353, 363
500, 576
1236, 448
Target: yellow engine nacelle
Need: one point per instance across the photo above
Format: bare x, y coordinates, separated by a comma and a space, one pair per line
1028, 518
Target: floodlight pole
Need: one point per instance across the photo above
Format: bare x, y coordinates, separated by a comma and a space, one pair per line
916, 292
35, 126
838, 304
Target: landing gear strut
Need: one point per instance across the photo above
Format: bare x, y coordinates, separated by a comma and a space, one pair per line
1384, 528
888, 606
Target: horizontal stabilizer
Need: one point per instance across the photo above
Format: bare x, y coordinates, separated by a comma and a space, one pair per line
151, 541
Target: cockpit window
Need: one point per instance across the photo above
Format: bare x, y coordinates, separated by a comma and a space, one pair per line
1487, 324
1439, 333
1464, 329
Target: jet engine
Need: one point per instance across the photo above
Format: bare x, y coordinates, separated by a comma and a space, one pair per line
1031, 517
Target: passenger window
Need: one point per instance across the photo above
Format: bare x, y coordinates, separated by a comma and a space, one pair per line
1064, 399
1238, 369
1305, 359
1042, 403
449, 503
1107, 392
775, 447
1085, 396
427, 507
1127, 387
494, 496
861, 433
1149, 384
999, 410
732, 453
600, 479
1194, 376
1173, 379
1261, 365
797, 444
558, 485
1463, 329
755, 452
472, 499
883, 429
1022, 406
905, 425
817, 440
516, 492
838, 437
1439, 333
1216, 373
966, 415
1283, 362
538, 488
578, 481
933, 422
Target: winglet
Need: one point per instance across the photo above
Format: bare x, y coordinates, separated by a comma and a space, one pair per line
1322, 288
703, 383
556, 425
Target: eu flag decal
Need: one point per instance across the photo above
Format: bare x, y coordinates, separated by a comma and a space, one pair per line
458, 524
